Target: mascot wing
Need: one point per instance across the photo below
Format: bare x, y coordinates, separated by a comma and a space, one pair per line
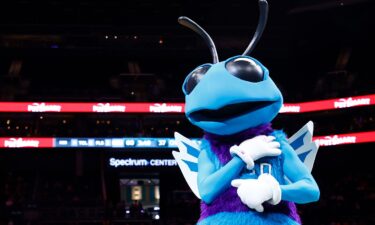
302, 143
187, 160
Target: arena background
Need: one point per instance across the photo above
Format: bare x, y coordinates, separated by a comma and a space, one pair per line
118, 52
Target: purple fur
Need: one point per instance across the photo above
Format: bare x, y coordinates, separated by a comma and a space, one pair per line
229, 201
220, 144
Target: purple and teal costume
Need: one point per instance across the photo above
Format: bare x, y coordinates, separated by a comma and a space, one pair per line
228, 208
232, 101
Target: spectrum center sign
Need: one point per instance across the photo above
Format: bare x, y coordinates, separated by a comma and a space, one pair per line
130, 162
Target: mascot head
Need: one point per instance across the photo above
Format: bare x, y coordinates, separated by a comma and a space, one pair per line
226, 97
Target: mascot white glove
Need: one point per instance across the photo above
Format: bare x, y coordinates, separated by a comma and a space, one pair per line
256, 148
254, 192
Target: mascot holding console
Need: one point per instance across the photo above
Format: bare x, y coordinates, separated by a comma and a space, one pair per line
244, 171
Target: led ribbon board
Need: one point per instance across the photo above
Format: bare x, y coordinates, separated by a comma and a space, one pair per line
154, 143
87, 107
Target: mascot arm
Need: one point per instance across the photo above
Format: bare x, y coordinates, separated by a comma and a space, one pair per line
303, 188
213, 182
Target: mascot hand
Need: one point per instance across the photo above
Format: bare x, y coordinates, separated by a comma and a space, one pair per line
254, 193
256, 148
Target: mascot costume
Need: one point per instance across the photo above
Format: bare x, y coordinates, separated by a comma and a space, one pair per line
243, 170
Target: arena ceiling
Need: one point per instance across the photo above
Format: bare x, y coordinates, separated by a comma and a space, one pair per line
87, 38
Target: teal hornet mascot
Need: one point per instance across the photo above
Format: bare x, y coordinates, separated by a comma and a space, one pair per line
243, 170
